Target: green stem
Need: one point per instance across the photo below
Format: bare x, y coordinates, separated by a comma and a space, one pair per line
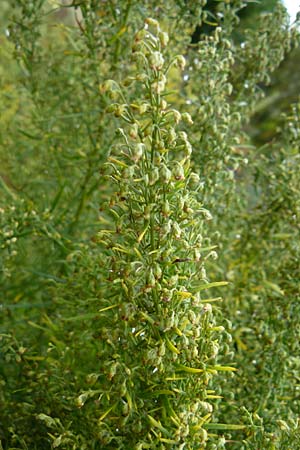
83, 189
7, 189
123, 24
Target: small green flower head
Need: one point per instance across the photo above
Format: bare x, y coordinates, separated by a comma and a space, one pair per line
186, 117
111, 88
164, 38
152, 23
107, 86
176, 115
202, 434
143, 108
180, 62
178, 172
137, 152
194, 180
140, 35
156, 60
128, 173
166, 210
159, 86
165, 174
120, 110
133, 131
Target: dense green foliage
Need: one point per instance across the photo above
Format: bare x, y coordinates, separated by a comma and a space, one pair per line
149, 226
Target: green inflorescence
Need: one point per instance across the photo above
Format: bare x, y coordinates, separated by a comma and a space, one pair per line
149, 225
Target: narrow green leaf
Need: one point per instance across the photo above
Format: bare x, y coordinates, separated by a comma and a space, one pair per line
203, 287
223, 426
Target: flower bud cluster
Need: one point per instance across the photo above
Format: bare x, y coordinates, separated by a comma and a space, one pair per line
155, 251
15, 220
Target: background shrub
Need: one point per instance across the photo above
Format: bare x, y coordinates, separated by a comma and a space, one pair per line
129, 162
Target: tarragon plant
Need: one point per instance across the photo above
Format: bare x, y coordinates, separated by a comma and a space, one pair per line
161, 341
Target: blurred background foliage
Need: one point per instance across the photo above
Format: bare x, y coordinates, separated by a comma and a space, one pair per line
55, 135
